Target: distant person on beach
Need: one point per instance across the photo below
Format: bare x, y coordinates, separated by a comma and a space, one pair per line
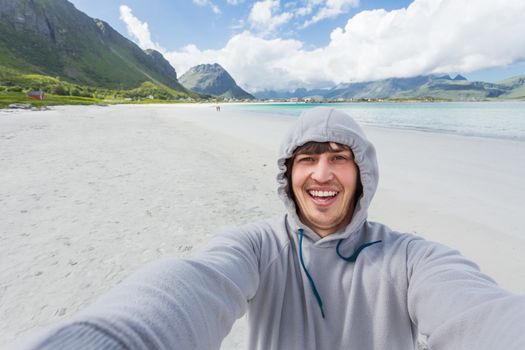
321, 276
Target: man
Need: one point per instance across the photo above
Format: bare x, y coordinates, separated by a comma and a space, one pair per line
319, 277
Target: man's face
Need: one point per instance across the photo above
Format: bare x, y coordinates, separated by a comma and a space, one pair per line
324, 186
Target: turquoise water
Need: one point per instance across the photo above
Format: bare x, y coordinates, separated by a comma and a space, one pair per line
484, 119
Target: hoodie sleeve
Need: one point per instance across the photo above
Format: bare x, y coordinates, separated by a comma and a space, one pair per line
456, 305
169, 304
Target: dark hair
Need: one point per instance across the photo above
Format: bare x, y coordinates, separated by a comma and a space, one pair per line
313, 147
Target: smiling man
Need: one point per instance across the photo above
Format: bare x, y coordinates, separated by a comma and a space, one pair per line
321, 276
324, 180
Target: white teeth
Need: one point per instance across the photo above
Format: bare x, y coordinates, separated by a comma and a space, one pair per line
323, 193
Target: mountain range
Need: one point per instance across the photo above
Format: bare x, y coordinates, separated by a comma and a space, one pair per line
214, 80
427, 86
64, 46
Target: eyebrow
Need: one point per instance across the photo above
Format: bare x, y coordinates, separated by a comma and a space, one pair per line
350, 152
329, 151
342, 150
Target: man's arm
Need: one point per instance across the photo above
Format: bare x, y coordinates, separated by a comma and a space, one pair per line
174, 303
457, 306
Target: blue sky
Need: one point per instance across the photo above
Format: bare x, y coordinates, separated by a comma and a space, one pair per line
176, 23
273, 44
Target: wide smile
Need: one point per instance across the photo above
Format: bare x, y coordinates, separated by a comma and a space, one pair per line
323, 198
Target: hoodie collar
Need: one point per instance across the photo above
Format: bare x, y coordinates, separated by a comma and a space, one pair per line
323, 124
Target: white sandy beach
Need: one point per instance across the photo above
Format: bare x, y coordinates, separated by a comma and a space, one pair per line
89, 194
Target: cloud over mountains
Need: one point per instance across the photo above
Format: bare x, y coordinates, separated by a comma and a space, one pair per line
429, 36
138, 30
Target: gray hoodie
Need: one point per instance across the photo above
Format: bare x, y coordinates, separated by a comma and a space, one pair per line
363, 287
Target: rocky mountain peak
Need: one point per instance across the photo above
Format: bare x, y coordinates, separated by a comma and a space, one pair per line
213, 79
162, 63
38, 17
208, 68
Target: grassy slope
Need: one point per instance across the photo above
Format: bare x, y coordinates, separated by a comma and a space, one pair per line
516, 93
81, 50
517, 84
13, 53
449, 90
7, 98
444, 94
14, 85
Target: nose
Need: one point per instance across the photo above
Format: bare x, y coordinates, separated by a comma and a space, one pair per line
322, 171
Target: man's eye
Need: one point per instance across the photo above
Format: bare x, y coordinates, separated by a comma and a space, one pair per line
339, 157
306, 159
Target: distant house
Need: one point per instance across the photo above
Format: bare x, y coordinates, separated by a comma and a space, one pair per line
36, 94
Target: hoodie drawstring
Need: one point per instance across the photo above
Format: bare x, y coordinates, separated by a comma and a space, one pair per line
312, 283
351, 258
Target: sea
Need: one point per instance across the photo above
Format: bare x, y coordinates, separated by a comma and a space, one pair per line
502, 120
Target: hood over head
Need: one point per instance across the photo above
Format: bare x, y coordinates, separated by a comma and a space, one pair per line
323, 124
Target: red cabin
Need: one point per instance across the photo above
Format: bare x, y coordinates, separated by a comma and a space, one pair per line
36, 95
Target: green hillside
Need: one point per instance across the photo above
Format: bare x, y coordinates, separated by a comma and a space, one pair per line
53, 38
516, 86
436, 87
14, 86
455, 90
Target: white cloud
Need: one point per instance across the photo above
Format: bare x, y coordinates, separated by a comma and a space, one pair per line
234, 2
326, 9
236, 26
253, 62
265, 18
138, 30
214, 7
430, 36
303, 11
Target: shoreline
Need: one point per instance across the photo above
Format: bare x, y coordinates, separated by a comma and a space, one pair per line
471, 119
268, 114
92, 193
264, 102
